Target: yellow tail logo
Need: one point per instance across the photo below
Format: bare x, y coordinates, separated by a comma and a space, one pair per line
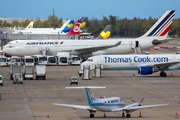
83, 25
30, 26
70, 25
105, 35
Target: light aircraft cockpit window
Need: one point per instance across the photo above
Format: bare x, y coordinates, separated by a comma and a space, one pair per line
90, 60
8, 46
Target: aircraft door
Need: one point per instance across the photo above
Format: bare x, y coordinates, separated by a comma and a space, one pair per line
173, 59
19, 48
99, 60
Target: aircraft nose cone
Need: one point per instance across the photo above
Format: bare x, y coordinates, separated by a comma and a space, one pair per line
3, 50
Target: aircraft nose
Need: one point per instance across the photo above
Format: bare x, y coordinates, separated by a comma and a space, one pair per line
3, 50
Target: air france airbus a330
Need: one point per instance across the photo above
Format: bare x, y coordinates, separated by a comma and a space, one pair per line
157, 34
111, 104
144, 64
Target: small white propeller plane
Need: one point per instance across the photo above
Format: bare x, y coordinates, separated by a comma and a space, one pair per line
111, 104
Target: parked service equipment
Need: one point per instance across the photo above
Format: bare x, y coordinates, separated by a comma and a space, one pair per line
63, 58
28, 72
75, 60
1, 80
15, 60
40, 72
52, 60
28, 60
14, 69
17, 78
85, 72
74, 80
3, 61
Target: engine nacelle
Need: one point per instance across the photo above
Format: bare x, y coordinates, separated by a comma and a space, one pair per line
146, 70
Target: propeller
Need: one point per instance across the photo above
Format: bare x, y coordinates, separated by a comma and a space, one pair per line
139, 102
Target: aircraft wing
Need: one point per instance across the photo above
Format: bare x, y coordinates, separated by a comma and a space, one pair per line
141, 107
162, 66
137, 107
92, 49
76, 106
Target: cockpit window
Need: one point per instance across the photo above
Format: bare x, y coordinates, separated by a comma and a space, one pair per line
8, 46
90, 60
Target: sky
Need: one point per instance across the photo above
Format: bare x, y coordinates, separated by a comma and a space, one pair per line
74, 9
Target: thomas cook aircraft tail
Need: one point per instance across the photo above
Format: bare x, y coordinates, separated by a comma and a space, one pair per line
105, 34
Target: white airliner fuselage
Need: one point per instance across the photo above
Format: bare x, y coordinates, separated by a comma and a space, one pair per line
145, 64
127, 45
52, 47
34, 47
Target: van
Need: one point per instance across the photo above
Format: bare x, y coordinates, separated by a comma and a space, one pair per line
1, 80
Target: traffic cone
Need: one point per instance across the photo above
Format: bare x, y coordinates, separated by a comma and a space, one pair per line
47, 116
176, 115
104, 115
140, 114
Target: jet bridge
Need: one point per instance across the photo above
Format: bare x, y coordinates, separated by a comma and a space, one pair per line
86, 72
43, 50
97, 70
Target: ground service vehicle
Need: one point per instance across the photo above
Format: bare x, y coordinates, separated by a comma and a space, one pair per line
14, 69
3, 61
74, 80
28, 72
62, 58
52, 60
40, 72
75, 60
40, 59
15, 60
1, 80
17, 78
28, 60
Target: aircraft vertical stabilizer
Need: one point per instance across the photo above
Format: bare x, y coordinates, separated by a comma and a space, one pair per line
162, 26
67, 26
30, 25
105, 34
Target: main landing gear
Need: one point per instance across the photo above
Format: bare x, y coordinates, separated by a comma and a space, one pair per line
92, 114
163, 74
128, 115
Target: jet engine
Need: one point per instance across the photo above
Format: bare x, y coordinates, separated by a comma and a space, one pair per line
146, 70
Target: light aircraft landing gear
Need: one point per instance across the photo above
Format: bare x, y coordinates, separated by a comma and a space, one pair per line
123, 115
163, 74
128, 115
91, 115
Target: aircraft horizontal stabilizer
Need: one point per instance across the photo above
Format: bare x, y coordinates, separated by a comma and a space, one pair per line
83, 87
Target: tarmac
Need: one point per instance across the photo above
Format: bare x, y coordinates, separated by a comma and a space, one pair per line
33, 100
